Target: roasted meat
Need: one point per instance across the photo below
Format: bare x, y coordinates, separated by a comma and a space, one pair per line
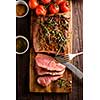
46, 80
50, 34
42, 71
48, 63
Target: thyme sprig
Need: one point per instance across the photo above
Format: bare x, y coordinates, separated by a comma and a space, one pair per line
63, 83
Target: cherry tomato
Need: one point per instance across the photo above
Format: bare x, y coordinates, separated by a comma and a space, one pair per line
33, 4
54, 8
59, 1
64, 6
40, 10
46, 1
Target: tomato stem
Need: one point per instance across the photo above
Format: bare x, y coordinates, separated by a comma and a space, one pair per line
46, 6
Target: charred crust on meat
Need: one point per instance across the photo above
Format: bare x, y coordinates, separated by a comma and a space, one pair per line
51, 33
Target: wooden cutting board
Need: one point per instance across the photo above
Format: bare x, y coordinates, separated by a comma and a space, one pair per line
54, 86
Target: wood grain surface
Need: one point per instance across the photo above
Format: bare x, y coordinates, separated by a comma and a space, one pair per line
22, 61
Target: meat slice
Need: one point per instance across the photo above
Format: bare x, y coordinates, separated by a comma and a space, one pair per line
48, 63
46, 80
42, 71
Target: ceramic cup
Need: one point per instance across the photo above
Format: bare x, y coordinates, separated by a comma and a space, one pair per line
26, 43
26, 10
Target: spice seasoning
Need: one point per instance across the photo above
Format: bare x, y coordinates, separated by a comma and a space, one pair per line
21, 45
20, 9
52, 34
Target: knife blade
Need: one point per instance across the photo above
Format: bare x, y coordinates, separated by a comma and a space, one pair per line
70, 66
74, 69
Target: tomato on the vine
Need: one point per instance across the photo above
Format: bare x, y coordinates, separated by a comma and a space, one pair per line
40, 10
64, 6
54, 8
33, 4
46, 1
59, 1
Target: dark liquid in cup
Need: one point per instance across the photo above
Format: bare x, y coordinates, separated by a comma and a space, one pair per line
21, 45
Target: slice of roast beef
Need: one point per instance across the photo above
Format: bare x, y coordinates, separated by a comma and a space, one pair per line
48, 63
46, 80
42, 71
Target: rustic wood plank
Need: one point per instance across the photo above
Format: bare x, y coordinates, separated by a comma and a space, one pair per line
36, 96
47, 96
62, 97
22, 78
22, 61
55, 96
31, 97
80, 33
77, 92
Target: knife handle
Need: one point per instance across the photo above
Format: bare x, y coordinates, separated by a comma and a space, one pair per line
74, 69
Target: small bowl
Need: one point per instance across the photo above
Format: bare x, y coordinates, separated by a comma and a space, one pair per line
22, 9
22, 44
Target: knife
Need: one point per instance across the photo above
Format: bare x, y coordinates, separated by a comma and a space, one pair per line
74, 69
71, 67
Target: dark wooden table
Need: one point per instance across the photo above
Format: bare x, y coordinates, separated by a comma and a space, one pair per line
22, 61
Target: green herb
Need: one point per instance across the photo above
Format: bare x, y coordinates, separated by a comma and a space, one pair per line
51, 22
53, 34
45, 28
46, 6
63, 83
58, 51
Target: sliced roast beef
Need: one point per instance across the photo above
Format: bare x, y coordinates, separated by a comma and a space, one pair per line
42, 71
46, 80
48, 63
